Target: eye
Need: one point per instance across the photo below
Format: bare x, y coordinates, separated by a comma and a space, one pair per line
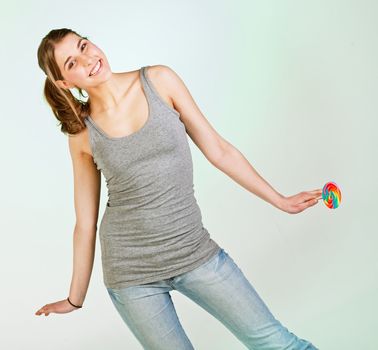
81, 48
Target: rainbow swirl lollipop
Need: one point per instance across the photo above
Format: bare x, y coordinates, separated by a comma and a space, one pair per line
331, 195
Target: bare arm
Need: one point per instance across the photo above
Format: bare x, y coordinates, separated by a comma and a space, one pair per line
236, 166
221, 153
87, 186
87, 183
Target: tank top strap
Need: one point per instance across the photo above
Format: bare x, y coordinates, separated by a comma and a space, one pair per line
92, 128
152, 94
148, 88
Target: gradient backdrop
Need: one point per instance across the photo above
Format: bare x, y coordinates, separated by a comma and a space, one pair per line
291, 84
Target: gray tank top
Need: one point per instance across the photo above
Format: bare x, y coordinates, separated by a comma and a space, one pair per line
152, 227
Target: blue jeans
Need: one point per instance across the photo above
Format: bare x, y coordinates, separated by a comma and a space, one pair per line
219, 287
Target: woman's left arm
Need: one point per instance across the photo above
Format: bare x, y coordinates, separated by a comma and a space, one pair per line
222, 154
235, 165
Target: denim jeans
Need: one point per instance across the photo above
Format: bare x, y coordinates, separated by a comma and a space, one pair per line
218, 286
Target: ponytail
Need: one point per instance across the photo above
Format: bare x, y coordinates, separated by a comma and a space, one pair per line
68, 110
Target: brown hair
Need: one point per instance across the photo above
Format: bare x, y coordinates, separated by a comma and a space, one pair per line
68, 109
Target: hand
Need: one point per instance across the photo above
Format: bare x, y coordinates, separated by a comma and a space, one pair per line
59, 307
299, 202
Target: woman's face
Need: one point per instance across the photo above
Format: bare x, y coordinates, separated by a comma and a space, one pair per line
77, 58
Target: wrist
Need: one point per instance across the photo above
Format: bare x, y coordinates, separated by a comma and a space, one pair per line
76, 306
280, 202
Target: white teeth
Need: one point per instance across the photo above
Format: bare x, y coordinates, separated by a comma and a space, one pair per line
96, 68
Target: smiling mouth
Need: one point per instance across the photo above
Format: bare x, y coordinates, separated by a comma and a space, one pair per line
96, 68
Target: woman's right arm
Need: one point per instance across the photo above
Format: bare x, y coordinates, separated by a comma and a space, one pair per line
87, 188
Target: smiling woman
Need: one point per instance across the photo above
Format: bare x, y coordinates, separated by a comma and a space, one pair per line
70, 61
152, 236
69, 110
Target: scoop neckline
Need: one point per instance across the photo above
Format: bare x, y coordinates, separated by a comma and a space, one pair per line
102, 132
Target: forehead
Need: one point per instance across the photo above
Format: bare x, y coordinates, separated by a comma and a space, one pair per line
65, 48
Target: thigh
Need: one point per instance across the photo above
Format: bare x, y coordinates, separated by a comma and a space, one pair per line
220, 287
149, 313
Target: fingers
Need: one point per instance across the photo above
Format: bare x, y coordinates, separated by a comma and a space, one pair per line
311, 202
42, 310
318, 193
317, 190
305, 200
315, 194
304, 205
308, 203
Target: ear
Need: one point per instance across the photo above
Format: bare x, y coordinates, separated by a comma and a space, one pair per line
64, 85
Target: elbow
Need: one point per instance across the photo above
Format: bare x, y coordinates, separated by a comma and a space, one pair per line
222, 151
88, 230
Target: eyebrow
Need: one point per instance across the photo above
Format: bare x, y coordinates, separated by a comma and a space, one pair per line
68, 58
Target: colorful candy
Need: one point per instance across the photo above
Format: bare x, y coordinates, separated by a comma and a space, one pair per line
331, 195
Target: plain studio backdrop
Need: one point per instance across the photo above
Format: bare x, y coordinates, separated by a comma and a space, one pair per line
291, 84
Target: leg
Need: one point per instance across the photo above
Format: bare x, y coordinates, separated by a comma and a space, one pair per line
149, 313
220, 287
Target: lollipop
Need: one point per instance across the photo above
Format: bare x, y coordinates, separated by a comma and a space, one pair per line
331, 195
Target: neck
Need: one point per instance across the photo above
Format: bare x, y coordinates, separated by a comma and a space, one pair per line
107, 95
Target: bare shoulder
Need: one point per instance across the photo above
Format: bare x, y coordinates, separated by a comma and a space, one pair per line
165, 81
163, 78
79, 143
162, 74
81, 155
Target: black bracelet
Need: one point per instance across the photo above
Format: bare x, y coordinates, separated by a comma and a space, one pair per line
68, 298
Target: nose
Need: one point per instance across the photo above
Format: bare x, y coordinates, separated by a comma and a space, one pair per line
87, 60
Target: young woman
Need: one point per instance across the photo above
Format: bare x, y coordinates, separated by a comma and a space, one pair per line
133, 128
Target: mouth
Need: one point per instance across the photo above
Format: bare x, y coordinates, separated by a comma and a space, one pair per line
96, 69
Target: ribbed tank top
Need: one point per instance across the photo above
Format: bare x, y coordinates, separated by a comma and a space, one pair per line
152, 227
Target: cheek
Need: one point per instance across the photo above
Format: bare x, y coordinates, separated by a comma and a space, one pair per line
76, 76
96, 51
81, 73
